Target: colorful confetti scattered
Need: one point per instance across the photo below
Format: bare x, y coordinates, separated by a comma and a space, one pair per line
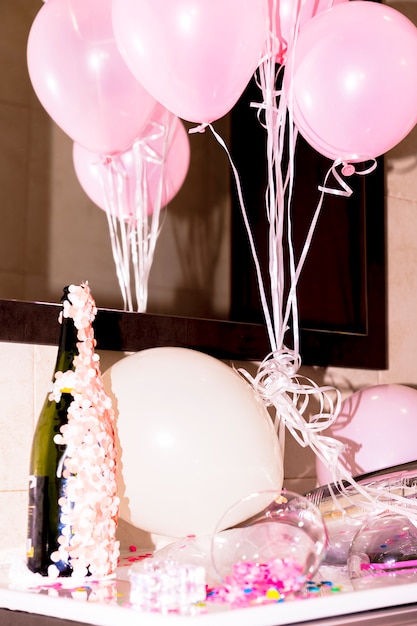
254, 583
179, 589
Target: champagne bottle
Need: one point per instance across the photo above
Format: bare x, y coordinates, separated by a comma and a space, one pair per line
47, 485
73, 501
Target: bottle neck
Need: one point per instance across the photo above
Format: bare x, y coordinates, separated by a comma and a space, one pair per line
67, 346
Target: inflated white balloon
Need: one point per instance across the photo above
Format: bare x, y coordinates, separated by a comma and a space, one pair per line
193, 439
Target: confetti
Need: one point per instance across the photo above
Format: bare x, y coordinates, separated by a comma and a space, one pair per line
90, 504
254, 583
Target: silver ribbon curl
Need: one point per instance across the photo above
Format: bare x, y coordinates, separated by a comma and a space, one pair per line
278, 384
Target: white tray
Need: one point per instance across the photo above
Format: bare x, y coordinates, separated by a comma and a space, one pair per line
391, 605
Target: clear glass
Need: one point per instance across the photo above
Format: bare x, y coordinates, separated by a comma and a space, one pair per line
287, 532
383, 552
166, 586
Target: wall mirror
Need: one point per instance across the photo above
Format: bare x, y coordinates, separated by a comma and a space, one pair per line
53, 235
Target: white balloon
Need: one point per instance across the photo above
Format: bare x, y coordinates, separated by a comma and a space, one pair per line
193, 439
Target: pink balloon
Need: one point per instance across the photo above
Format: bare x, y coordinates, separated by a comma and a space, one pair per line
91, 168
378, 425
194, 56
292, 13
80, 77
351, 80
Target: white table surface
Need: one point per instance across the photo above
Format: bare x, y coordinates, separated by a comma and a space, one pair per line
107, 604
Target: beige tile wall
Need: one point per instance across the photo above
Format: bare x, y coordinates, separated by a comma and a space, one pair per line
25, 370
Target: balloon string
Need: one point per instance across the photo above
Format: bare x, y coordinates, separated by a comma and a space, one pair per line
296, 272
250, 237
345, 191
273, 112
347, 170
144, 228
278, 201
137, 222
281, 185
112, 211
121, 178
278, 384
277, 381
132, 233
282, 365
276, 378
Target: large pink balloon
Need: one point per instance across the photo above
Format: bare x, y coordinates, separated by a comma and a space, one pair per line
194, 56
352, 80
378, 426
80, 77
289, 14
91, 170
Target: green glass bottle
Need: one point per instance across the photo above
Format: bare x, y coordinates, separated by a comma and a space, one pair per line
46, 519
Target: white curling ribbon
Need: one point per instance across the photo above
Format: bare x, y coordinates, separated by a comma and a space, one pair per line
347, 170
261, 287
268, 103
144, 230
138, 232
147, 152
279, 385
156, 130
133, 233
201, 128
277, 379
344, 191
277, 382
112, 184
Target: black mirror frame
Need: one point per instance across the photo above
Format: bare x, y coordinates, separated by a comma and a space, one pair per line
36, 323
